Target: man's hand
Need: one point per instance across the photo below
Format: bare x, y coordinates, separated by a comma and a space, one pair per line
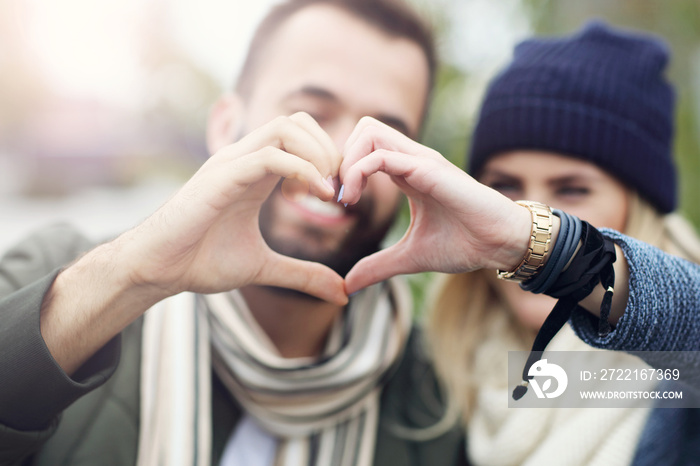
205, 239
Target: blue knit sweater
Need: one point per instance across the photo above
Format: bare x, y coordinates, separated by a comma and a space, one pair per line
663, 314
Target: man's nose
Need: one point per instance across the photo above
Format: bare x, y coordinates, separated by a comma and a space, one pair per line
341, 132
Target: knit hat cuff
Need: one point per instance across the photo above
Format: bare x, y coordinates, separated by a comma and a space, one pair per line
556, 126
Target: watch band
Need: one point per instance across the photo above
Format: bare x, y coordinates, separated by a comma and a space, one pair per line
538, 249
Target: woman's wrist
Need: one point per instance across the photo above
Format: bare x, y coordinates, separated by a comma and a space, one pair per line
539, 242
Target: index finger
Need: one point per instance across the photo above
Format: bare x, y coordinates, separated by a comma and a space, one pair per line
308, 123
371, 135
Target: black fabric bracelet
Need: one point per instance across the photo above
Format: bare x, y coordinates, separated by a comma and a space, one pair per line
591, 265
572, 241
564, 249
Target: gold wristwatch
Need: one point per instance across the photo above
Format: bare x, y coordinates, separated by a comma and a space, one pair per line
540, 239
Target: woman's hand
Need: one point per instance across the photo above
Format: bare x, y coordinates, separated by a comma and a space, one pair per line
457, 224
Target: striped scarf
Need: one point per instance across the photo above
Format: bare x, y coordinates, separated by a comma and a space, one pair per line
324, 410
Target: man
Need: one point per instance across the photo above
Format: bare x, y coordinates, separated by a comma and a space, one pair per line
243, 274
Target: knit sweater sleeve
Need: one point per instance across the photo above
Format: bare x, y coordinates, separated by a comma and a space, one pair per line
34, 390
662, 311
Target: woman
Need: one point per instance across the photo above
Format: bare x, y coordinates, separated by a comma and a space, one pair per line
584, 124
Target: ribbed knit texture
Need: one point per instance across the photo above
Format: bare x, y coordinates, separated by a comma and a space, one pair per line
599, 95
661, 315
662, 309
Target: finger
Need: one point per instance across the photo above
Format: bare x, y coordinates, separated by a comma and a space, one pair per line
307, 122
298, 141
378, 267
286, 134
370, 135
392, 163
308, 277
361, 142
300, 135
361, 128
428, 174
245, 171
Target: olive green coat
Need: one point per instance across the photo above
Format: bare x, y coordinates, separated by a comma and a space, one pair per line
101, 426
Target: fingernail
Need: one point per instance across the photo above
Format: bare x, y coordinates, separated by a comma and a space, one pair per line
340, 193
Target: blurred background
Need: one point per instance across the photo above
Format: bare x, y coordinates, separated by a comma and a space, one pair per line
103, 104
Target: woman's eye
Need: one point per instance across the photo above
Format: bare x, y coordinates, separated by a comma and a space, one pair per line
505, 188
573, 191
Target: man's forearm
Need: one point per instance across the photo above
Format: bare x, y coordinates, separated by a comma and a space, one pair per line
88, 304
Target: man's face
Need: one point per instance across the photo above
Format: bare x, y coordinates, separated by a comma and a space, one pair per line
337, 68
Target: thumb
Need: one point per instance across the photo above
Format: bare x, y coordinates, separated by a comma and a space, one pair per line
308, 277
379, 266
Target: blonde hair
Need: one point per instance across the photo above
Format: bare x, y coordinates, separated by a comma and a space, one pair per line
466, 308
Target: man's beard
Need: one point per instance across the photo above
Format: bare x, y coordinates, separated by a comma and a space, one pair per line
364, 239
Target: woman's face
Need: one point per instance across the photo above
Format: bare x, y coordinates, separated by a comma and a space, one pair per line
572, 185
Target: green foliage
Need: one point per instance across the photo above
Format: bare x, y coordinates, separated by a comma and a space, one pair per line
688, 161
448, 125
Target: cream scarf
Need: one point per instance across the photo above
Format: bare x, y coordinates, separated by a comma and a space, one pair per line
502, 436
323, 410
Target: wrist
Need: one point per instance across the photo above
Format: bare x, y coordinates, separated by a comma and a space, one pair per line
538, 242
88, 304
133, 269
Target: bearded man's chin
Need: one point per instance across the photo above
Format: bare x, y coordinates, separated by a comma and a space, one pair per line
290, 293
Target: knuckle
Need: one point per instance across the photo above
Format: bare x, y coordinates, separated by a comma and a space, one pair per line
284, 129
280, 120
267, 152
281, 126
371, 128
302, 117
367, 120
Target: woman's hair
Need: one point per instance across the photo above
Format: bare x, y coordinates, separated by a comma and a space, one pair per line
466, 308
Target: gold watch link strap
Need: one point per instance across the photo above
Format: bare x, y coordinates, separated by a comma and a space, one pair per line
540, 240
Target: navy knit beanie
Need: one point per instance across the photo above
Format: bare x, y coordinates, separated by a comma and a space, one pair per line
599, 95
